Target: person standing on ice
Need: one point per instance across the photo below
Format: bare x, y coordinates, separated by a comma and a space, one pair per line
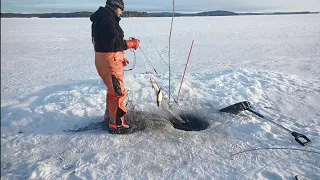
108, 42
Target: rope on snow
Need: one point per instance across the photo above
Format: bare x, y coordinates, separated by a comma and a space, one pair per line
91, 126
258, 149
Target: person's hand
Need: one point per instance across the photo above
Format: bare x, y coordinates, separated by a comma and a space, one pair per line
125, 62
133, 44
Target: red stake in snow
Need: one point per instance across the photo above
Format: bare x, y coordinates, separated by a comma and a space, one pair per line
185, 69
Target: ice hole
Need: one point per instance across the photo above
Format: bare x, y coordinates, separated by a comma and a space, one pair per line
191, 123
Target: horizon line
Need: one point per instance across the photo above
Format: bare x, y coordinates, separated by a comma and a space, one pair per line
165, 12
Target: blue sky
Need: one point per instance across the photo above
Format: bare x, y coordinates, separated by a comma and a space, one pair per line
42, 6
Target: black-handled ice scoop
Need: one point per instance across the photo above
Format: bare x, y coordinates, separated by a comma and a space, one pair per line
246, 105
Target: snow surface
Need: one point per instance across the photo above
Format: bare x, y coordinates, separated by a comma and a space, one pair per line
49, 83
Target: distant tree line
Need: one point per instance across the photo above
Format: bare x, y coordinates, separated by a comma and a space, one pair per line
68, 15
223, 13
143, 14
135, 14
207, 13
279, 13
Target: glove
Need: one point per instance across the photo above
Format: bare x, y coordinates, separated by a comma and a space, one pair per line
133, 44
125, 62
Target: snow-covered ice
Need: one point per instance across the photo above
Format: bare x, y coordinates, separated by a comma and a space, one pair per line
49, 83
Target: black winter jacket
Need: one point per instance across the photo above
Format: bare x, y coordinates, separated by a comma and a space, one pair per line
106, 31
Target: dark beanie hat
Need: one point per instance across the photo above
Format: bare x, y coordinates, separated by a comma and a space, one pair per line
116, 3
